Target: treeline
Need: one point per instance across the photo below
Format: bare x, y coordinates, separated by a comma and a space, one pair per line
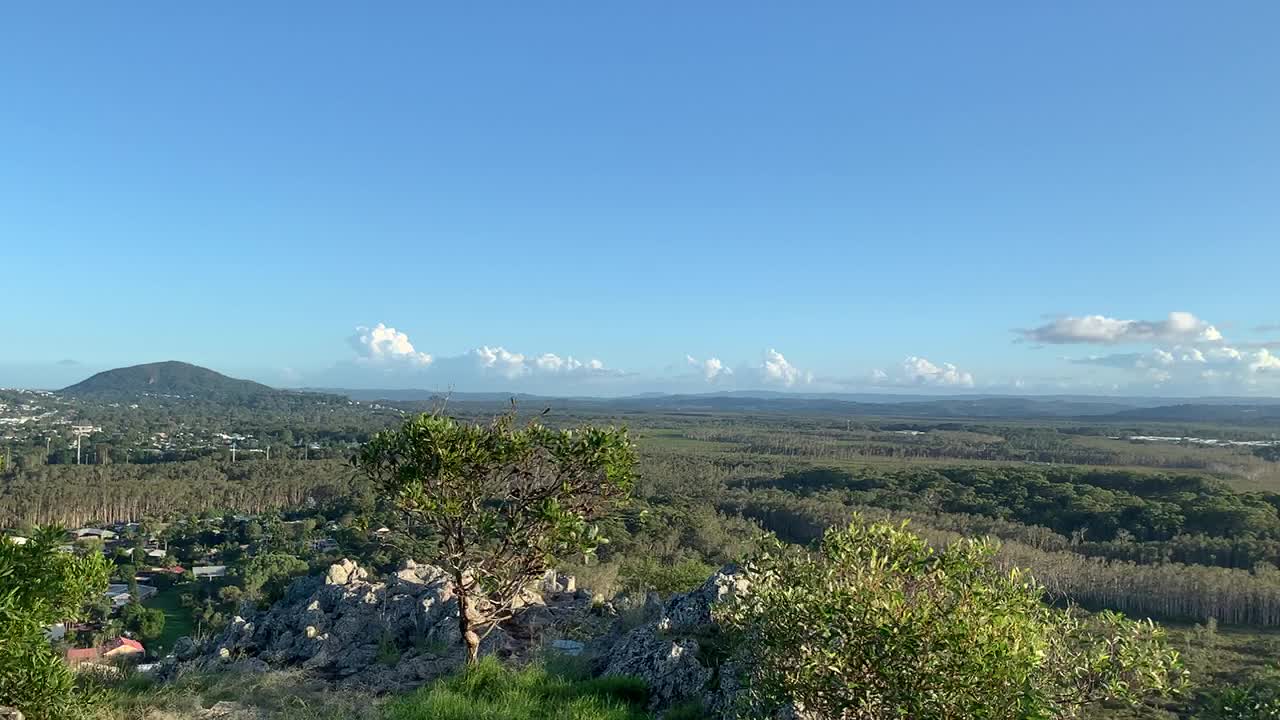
1082, 503
957, 441
74, 495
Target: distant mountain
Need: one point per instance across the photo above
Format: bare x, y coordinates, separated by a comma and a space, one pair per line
169, 378
1200, 412
1251, 411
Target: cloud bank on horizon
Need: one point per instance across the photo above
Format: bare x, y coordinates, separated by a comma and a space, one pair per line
1178, 353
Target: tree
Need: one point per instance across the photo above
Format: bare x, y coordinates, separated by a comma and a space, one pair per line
40, 586
266, 576
500, 503
146, 623
878, 624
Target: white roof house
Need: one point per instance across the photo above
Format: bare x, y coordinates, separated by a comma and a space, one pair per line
119, 595
209, 571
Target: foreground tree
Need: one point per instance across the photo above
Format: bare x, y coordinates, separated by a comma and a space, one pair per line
40, 586
500, 503
878, 624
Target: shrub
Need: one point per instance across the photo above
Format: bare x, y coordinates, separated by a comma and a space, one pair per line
879, 624
664, 578
39, 586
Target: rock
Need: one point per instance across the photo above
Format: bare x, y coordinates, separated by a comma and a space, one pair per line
382, 636
572, 648
666, 651
252, 666
183, 649
227, 710
554, 583
11, 713
669, 667
344, 573
693, 610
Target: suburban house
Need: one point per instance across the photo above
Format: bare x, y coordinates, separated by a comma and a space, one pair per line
120, 648
209, 571
323, 544
119, 595
89, 533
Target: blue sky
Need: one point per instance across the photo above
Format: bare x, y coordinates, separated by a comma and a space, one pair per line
837, 196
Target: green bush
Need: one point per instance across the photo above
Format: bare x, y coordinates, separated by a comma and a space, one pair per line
39, 586
878, 624
491, 691
1257, 698
664, 578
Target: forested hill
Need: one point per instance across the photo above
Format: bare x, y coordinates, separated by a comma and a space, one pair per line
168, 378
1242, 414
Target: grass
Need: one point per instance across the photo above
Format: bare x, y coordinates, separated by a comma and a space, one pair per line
177, 619
282, 695
491, 691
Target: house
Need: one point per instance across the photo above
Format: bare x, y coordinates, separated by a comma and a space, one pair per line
90, 533
157, 554
16, 539
323, 545
118, 649
209, 571
123, 647
119, 595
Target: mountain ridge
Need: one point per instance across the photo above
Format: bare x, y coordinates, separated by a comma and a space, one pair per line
169, 377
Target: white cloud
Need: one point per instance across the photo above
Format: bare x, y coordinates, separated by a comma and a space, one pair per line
1193, 355
712, 368
487, 366
500, 360
1179, 327
1221, 365
552, 363
920, 371
777, 369
386, 346
1263, 361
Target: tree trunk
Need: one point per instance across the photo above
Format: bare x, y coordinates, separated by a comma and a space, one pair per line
469, 637
472, 640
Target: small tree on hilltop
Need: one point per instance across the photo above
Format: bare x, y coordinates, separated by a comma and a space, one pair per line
878, 624
500, 502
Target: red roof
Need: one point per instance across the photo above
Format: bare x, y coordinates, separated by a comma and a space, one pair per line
75, 655
123, 642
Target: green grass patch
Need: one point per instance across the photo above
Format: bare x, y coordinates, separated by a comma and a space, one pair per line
490, 691
177, 619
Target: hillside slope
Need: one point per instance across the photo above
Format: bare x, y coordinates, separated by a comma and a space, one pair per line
168, 378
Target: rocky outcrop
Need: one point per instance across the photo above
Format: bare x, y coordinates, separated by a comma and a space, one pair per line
401, 631
386, 635
676, 654
10, 713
